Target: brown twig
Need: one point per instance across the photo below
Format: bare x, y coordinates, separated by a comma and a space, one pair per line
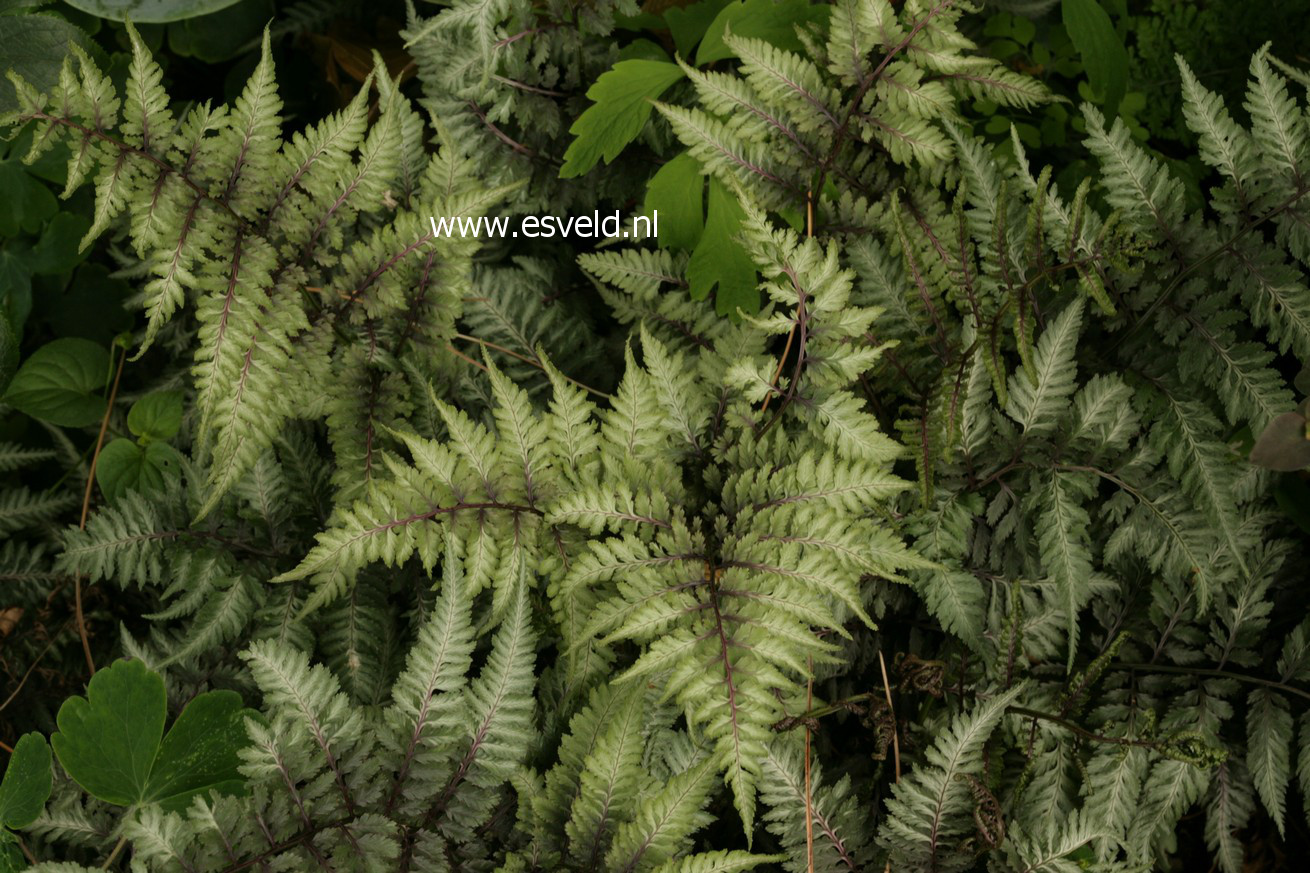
896, 734
457, 353
86, 507
37, 660
534, 362
786, 350
809, 802
891, 710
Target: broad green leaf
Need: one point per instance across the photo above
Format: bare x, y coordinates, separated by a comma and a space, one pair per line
622, 104
11, 857
90, 306
27, 783
15, 287
688, 24
221, 35
35, 47
1103, 53
108, 740
111, 742
643, 50
157, 416
719, 259
59, 248
150, 11
770, 20
677, 192
28, 202
200, 751
61, 383
127, 466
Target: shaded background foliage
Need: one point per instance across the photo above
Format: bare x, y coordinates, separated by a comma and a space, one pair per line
323, 50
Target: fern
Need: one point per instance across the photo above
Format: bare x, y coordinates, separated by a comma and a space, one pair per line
538, 559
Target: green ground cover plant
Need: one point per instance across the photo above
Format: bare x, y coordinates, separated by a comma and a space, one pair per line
931, 495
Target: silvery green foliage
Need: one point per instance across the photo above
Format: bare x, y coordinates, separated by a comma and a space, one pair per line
499, 621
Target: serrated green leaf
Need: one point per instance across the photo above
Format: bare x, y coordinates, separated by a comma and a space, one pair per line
719, 260
676, 191
621, 106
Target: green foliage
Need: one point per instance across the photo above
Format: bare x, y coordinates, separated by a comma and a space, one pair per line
1102, 51
26, 784
940, 540
62, 382
623, 104
112, 742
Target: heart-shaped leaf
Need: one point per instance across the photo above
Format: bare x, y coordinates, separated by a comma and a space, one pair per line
27, 783
125, 466
200, 751
156, 416
112, 741
61, 383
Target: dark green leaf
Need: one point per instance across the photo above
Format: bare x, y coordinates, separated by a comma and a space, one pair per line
111, 741
621, 107
27, 783
643, 50
1103, 53
28, 202
35, 47
200, 751
125, 466
11, 857
57, 250
773, 21
108, 740
677, 192
689, 23
15, 287
90, 306
61, 383
156, 416
221, 35
719, 260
